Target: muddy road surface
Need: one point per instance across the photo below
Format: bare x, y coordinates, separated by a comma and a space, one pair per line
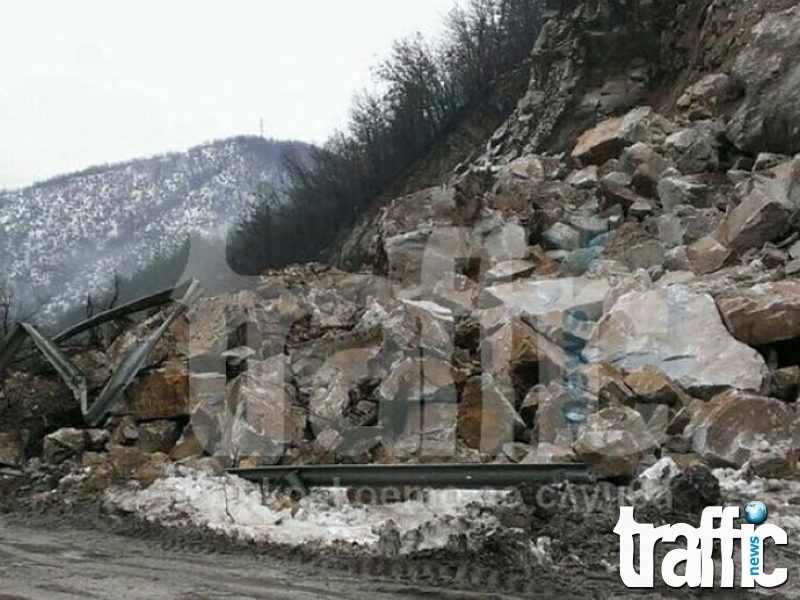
37, 564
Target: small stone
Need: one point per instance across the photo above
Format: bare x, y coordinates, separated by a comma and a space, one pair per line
126, 433
584, 179
126, 462
641, 209
562, 237
158, 436
707, 97
536, 396
550, 454
12, 450
611, 193
161, 394
784, 384
72, 443
794, 251
516, 452
508, 271
677, 190
188, 446
778, 461
694, 150
768, 160
152, 470
792, 268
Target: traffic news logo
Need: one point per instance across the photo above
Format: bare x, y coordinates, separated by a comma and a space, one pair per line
697, 556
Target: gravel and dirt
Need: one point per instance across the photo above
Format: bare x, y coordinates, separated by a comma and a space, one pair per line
57, 546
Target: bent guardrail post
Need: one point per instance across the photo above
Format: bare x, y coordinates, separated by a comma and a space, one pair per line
10, 471
72, 375
11, 344
129, 368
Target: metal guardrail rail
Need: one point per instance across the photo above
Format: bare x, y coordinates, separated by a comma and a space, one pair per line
153, 301
124, 373
464, 476
9, 471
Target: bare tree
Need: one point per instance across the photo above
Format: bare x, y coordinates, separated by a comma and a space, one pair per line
422, 91
6, 306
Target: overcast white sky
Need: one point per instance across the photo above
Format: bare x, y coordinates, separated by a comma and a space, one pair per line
84, 82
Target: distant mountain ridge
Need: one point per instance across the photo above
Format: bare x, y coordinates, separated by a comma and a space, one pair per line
72, 232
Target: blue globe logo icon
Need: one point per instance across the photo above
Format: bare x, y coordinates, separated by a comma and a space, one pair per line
755, 512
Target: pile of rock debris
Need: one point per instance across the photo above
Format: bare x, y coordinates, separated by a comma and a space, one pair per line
632, 298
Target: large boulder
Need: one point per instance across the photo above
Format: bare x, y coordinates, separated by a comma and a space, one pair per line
486, 417
733, 426
680, 333
559, 411
415, 325
763, 314
614, 441
695, 150
707, 97
761, 217
609, 138
511, 355
334, 383
707, 255
769, 71
550, 296
163, 393
418, 235
264, 416
201, 335
418, 408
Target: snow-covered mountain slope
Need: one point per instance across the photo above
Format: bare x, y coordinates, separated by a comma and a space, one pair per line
65, 237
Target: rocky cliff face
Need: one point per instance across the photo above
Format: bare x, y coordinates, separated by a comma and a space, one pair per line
612, 281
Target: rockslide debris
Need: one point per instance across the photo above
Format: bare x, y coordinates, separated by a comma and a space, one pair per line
620, 286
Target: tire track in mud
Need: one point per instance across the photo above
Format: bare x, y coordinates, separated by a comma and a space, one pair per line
66, 563
500, 569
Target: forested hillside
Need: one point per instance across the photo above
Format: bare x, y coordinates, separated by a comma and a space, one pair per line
67, 237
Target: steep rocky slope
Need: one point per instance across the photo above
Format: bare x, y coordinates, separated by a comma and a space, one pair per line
540, 300
613, 281
63, 238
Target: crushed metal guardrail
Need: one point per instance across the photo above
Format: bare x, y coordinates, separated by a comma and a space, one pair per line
10, 471
127, 370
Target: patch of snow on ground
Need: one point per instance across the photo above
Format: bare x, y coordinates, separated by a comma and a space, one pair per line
233, 506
